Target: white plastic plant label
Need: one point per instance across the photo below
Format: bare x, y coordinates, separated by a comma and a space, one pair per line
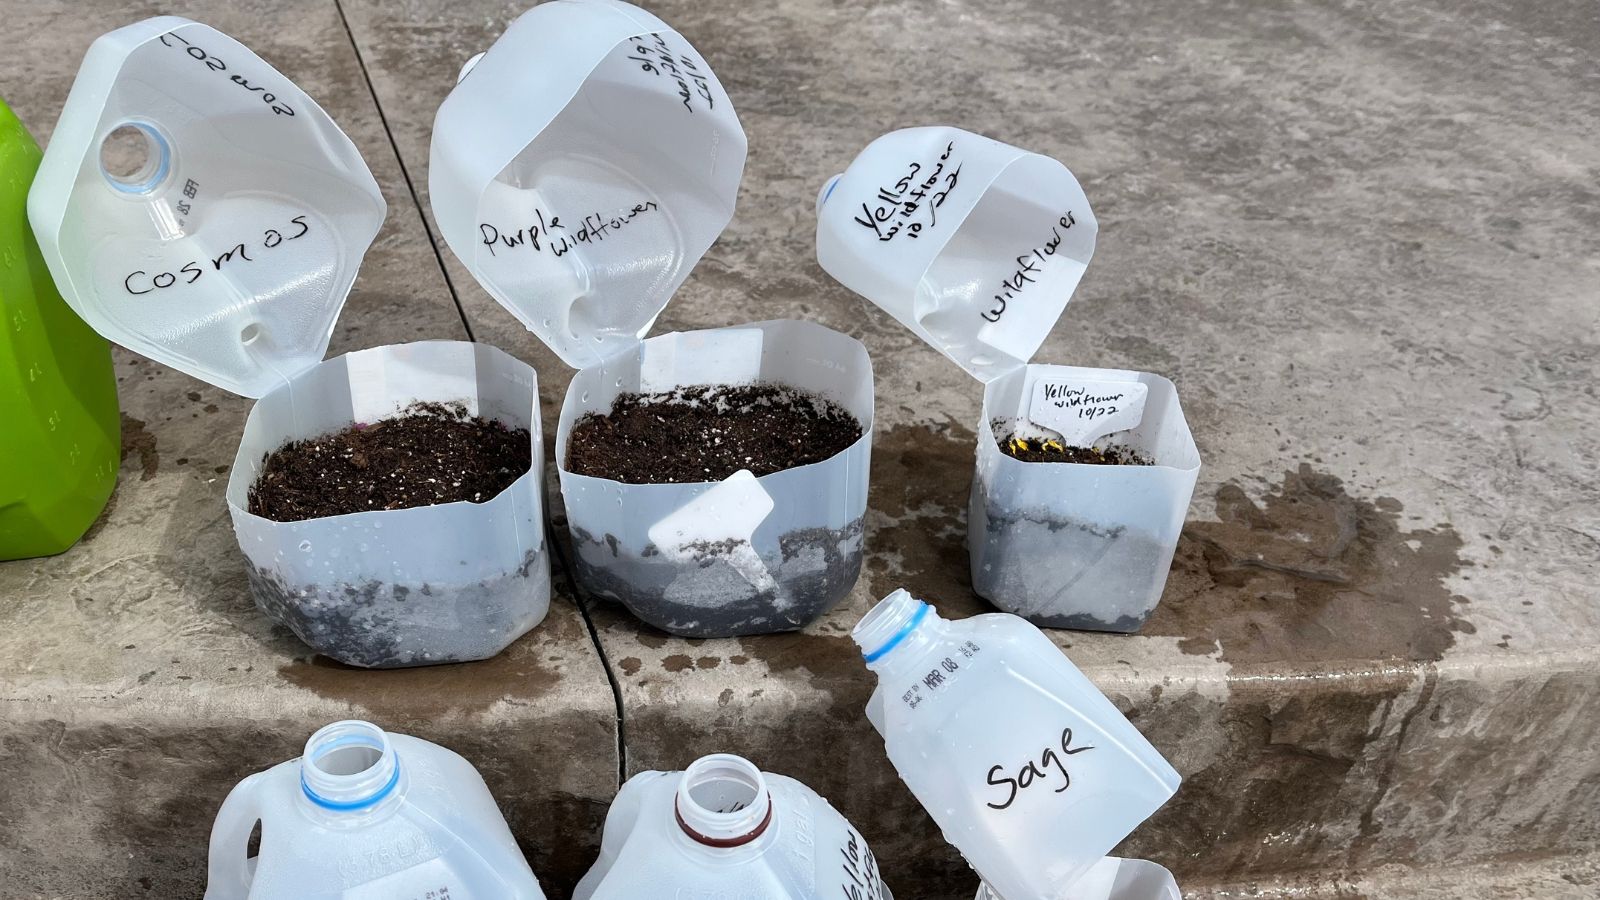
196, 206
581, 167
725, 516
1082, 412
974, 245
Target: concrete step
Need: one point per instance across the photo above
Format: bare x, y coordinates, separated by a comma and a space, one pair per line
1563, 878
1379, 644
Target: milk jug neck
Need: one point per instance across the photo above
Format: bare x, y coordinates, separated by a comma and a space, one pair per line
897, 631
349, 772
723, 802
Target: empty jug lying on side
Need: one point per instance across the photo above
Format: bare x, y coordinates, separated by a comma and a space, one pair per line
724, 828
1024, 764
365, 815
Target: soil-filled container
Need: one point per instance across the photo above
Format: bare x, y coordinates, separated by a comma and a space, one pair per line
196, 206
446, 582
581, 166
977, 246
743, 555
1078, 544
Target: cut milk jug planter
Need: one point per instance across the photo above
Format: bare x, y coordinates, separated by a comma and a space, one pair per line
366, 815
724, 828
580, 168
60, 437
976, 246
1026, 767
228, 252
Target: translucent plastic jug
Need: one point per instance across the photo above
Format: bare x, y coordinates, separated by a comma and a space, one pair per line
196, 206
581, 167
977, 246
745, 555
974, 245
1077, 545
1027, 768
59, 427
725, 829
349, 585
366, 815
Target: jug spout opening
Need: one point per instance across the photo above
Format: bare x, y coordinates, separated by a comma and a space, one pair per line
888, 625
349, 766
723, 801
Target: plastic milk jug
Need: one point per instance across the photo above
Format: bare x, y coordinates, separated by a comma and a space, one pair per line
1027, 768
724, 828
198, 207
59, 432
366, 815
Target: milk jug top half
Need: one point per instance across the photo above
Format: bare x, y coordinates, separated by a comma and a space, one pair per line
364, 815
1029, 770
198, 207
974, 245
581, 167
724, 828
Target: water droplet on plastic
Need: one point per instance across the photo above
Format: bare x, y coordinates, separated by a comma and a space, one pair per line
305, 546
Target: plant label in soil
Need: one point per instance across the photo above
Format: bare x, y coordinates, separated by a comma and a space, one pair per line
1085, 411
720, 521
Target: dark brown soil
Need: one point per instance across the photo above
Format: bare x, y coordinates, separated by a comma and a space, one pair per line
431, 453
1035, 450
708, 432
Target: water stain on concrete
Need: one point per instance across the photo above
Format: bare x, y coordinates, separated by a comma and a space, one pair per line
917, 507
522, 673
828, 661
1312, 574
135, 439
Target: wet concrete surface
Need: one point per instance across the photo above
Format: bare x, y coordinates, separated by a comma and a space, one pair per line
1361, 239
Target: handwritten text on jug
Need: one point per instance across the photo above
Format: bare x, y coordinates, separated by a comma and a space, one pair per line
911, 204
550, 233
1029, 265
141, 281
654, 56
1050, 763
215, 64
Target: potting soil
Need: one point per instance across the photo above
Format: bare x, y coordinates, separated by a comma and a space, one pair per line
430, 453
1048, 450
708, 432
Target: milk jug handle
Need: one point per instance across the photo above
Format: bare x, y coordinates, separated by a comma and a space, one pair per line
229, 875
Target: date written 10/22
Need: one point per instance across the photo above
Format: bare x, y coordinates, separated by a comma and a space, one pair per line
141, 281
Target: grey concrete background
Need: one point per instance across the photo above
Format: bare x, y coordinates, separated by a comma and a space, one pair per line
1360, 237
